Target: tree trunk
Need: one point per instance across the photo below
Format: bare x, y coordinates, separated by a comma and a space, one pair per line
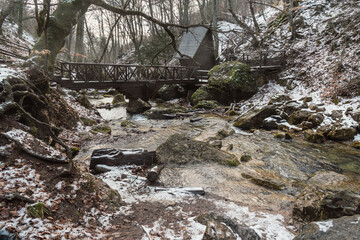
252, 11
243, 25
154, 173
20, 17
59, 27
118, 157
69, 45
186, 12
5, 11
79, 44
215, 33
291, 19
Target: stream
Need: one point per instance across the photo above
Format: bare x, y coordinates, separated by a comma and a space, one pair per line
267, 211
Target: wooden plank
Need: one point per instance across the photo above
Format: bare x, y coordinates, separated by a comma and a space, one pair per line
192, 190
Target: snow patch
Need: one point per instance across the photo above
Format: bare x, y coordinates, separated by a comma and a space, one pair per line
325, 226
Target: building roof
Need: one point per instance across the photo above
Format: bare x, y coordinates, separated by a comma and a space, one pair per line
191, 41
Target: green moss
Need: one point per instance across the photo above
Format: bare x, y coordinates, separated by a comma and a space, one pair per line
199, 95
245, 158
38, 210
84, 101
102, 128
335, 100
234, 163
207, 104
88, 121
126, 123
107, 95
118, 99
74, 151
232, 113
279, 135
228, 82
33, 130
356, 144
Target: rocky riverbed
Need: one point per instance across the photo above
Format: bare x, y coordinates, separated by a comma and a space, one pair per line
279, 185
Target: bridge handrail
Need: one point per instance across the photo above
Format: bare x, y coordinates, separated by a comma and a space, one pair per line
100, 72
125, 65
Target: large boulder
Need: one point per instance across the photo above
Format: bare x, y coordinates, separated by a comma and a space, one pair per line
335, 229
255, 118
328, 195
137, 106
169, 92
314, 137
299, 117
316, 119
342, 134
180, 149
200, 94
356, 117
228, 82
279, 99
84, 101
118, 99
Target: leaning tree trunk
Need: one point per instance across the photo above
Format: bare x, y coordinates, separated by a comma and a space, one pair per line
59, 27
5, 11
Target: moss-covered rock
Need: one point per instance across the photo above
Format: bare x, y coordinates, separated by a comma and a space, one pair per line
84, 101
199, 95
279, 135
356, 144
137, 106
102, 128
118, 99
314, 137
88, 121
342, 134
162, 113
207, 104
246, 158
169, 92
299, 116
228, 82
180, 149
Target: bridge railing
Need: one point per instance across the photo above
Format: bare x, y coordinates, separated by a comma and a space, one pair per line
260, 58
263, 58
99, 72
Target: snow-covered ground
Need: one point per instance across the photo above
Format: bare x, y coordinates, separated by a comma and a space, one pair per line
134, 189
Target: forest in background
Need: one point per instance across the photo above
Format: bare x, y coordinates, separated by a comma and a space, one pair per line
104, 36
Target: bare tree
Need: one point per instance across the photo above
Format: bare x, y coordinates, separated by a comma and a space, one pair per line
5, 12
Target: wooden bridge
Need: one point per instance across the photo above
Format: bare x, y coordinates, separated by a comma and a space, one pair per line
141, 81
136, 81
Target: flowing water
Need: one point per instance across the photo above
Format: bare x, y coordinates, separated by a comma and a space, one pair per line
284, 161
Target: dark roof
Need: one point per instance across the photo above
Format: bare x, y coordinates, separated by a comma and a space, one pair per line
191, 40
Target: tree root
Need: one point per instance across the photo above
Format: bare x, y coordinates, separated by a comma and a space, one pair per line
32, 153
16, 196
13, 96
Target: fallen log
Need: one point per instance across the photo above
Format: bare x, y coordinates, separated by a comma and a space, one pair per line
120, 157
101, 169
192, 190
154, 173
195, 120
